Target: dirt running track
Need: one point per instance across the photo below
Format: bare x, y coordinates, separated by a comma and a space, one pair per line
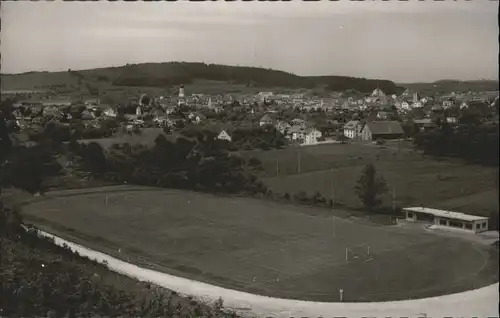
481, 302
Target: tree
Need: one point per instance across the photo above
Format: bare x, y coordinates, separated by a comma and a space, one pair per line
381, 142
470, 117
94, 158
255, 163
369, 187
409, 128
28, 167
5, 148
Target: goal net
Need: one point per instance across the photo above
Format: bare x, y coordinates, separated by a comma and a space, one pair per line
358, 253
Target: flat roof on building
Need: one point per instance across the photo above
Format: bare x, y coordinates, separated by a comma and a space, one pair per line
447, 214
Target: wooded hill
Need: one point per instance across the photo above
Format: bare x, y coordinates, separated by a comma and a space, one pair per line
176, 73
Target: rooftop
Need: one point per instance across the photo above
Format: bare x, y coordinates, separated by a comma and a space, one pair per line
385, 127
447, 214
351, 124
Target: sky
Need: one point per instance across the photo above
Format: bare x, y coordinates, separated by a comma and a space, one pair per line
401, 41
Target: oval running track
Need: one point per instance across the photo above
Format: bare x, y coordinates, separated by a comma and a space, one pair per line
478, 303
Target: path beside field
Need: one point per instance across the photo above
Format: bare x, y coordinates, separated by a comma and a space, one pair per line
482, 302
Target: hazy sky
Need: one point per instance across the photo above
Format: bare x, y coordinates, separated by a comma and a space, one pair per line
400, 41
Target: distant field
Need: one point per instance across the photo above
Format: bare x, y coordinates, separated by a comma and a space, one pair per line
263, 247
36, 80
417, 180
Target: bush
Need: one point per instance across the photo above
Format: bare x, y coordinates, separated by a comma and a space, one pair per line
318, 199
301, 196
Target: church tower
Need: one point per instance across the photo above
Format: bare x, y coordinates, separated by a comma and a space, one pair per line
181, 96
181, 91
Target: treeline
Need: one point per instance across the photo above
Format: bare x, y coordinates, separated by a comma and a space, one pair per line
148, 81
28, 167
200, 163
41, 279
185, 73
243, 138
58, 133
475, 143
264, 138
362, 85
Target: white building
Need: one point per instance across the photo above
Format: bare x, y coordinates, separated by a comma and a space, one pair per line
447, 104
265, 95
111, 112
417, 104
181, 100
378, 93
296, 133
447, 219
311, 136
160, 121
266, 120
353, 129
224, 136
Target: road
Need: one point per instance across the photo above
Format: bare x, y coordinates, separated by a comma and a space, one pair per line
482, 302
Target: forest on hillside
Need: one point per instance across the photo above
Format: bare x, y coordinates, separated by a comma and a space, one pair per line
175, 73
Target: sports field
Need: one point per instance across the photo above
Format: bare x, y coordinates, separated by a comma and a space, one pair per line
264, 247
417, 180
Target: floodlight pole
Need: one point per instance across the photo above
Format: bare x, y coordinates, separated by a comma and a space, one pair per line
394, 200
298, 161
341, 291
333, 186
277, 167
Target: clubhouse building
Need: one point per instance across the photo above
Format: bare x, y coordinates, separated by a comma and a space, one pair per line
447, 219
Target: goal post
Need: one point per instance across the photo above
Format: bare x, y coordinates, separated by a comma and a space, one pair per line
359, 252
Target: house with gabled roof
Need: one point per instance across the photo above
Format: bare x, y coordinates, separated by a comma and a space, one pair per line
282, 126
424, 124
352, 129
448, 103
110, 111
375, 130
295, 133
196, 117
92, 102
223, 135
312, 135
266, 120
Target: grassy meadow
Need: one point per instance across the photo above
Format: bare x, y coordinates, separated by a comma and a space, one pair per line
263, 247
416, 179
